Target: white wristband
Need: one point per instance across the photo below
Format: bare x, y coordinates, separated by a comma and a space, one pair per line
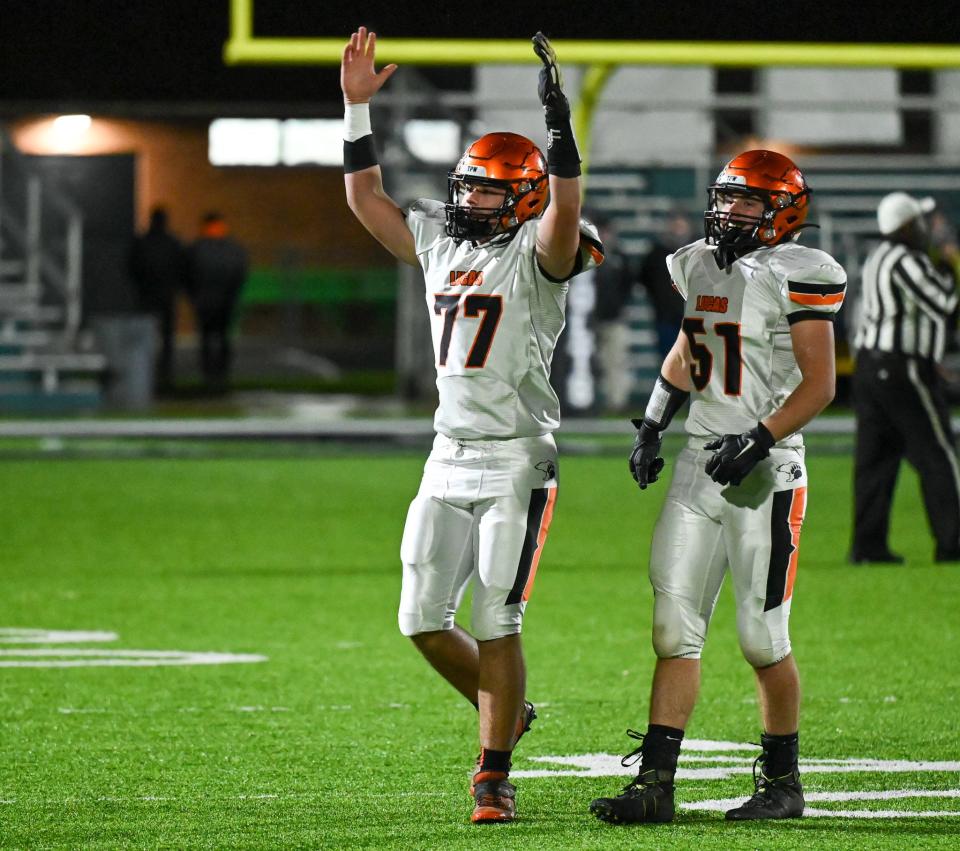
356, 121
657, 405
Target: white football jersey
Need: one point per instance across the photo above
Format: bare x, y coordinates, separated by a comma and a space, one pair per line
737, 322
496, 318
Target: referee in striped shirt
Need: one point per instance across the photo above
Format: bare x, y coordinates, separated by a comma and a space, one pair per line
899, 398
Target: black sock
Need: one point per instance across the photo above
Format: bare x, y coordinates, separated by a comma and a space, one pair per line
491, 760
780, 754
661, 747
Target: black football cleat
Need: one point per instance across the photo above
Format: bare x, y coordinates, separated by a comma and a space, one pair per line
774, 798
648, 798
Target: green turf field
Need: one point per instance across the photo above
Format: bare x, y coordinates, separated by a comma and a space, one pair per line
343, 738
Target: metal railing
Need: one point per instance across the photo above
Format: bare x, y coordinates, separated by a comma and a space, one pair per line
41, 233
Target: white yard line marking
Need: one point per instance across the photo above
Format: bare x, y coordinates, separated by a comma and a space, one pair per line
882, 795
10, 635
722, 767
723, 804
90, 658
73, 657
608, 765
815, 813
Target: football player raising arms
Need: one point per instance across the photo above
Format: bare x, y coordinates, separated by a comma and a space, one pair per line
497, 258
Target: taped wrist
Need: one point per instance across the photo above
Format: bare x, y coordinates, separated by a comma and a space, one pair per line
665, 401
359, 155
563, 158
359, 150
356, 121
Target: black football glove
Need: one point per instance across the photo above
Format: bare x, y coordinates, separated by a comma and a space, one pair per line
550, 87
645, 460
735, 455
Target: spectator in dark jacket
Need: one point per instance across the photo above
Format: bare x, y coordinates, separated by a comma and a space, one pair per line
217, 266
156, 266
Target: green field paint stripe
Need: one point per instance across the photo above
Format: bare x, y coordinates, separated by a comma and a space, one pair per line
328, 51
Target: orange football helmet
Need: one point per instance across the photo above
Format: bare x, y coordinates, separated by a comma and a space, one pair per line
769, 177
500, 161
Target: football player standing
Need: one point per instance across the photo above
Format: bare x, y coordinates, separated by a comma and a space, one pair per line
755, 356
497, 259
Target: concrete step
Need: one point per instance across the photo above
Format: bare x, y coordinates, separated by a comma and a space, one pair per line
28, 338
17, 292
51, 369
60, 361
23, 396
32, 313
12, 268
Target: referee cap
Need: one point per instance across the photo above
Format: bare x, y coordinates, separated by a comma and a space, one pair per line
898, 208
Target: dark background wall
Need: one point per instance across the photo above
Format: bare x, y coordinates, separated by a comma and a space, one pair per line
118, 52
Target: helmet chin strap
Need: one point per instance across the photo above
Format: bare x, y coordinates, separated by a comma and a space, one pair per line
477, 224
735, 242
728, 251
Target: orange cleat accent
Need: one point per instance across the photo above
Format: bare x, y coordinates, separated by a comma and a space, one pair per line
494, 798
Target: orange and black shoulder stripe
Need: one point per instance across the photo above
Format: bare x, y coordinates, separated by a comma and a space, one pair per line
816, 294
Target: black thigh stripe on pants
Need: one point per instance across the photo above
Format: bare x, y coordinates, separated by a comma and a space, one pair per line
784, 543
541, 500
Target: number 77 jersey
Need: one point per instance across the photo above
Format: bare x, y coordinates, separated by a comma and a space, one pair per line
737, 323
495, 320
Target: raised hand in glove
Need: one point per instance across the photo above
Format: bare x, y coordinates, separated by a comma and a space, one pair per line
550, 85
645, 460
735, 455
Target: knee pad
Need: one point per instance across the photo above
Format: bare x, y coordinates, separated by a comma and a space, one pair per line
415, 621
434, 546
678, 631
426, 604
764, 640
490, 622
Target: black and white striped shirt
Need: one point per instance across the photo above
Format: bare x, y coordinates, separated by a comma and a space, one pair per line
905, 303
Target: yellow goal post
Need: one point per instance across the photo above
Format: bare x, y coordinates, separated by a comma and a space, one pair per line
600, 56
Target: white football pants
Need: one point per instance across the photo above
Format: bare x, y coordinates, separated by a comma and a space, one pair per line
481, 516
703, 530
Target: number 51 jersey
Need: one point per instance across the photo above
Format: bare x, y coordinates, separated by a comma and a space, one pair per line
495, 319
737, 322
